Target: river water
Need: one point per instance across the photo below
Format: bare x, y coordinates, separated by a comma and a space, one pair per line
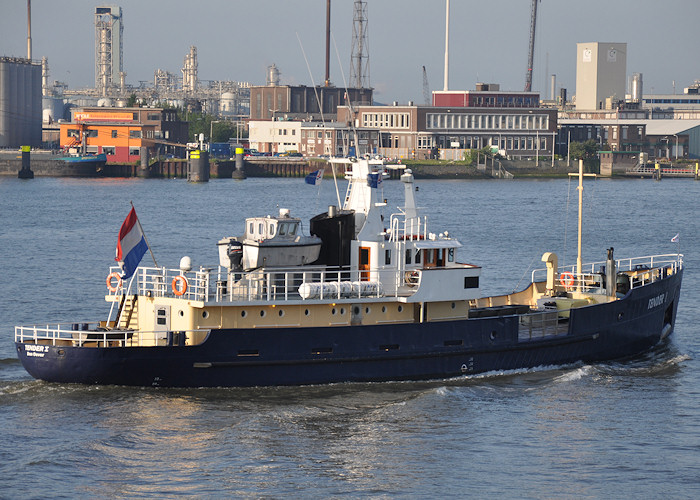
612, 430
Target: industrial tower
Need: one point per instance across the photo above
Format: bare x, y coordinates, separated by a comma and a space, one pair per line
359, 59
109, 49
189, 71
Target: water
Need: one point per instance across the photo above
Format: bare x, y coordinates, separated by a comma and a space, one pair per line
604, 431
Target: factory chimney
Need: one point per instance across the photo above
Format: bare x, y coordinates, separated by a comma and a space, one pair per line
29, 29
447, 43
328, 43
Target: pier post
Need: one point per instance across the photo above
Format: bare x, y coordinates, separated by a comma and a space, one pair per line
26, 171
198, 166
239, 172
696, 171
144, 171
657, 172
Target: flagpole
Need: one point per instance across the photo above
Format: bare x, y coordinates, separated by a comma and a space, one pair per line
144, 237
335, 181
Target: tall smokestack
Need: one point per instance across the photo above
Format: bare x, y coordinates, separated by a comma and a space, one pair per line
447, 43
328, 43
553, 88
29, 29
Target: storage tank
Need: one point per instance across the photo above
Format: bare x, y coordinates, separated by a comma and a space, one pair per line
20, 102
228, 103
273, 76
52, 109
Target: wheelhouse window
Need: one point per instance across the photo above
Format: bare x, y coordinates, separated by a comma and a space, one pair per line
408, 256
451, 255
387, 256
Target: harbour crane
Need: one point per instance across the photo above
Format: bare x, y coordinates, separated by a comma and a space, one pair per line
531, 51
426, 88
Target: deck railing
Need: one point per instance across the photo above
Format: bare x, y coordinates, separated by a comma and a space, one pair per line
310, 282
642, 270
82, 333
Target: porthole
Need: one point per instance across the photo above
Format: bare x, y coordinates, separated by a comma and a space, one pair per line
356, 310
262, 313
205, 314
400, 308
281, 313
366, 310
383, 309
493, 335
333, 311
181, 313
342, 311
454, 305
620, 316
306, 312
243, 314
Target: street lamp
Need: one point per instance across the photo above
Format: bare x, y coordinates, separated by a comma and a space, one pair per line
211, 129
554, 140
676, 136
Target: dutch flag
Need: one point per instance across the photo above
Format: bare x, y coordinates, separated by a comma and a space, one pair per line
131, 245
314, 177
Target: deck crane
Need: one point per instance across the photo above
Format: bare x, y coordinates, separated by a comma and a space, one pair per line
531, 51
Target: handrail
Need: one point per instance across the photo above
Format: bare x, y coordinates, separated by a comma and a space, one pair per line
569, 278
59, 334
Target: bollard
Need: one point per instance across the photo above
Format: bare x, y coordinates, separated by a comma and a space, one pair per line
26, 171
198, 166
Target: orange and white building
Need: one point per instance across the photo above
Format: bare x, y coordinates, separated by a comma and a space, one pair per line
120, 133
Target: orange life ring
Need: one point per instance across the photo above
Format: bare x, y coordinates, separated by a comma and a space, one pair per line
179, 285
567, 279
113, 289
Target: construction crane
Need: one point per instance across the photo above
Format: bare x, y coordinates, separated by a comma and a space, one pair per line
531, 51
426, 88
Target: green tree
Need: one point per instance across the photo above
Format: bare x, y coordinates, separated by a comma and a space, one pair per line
583, 150
131, 101
586, 151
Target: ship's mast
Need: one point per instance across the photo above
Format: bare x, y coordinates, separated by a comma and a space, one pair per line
580, 219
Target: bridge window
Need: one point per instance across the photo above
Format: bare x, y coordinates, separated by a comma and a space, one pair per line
471, 282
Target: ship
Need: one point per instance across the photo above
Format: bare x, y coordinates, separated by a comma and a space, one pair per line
386, 299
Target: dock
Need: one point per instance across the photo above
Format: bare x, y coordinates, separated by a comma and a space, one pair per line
660, 171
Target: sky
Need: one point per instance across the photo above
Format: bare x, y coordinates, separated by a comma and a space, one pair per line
238, 40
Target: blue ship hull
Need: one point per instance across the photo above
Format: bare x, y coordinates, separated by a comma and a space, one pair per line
416, 351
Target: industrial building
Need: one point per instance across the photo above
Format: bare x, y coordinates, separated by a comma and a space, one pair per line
410, 131
486, 95
120, 133
20, 102
312, 138
601, 73
286, 102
